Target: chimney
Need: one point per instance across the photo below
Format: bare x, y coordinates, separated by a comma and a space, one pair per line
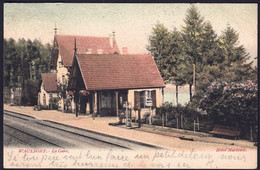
125, 50
112, 39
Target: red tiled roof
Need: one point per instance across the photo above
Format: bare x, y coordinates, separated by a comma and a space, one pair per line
66, 46
49, 81
101, 72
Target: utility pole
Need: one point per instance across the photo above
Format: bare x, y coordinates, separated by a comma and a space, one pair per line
76, 94
194, 79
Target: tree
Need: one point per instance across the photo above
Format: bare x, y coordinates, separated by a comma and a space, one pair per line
235, 56
166, 47
209, 70
175, 61
11, 62
159, 44
23, 63
192, 32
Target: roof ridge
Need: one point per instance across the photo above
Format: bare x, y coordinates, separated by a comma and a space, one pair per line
82, 36
81, 54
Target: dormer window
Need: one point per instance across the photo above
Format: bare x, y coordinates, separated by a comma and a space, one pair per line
100, 51
63, 79
60, 63
88, 51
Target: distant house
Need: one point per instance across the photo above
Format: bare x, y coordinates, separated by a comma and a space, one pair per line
103, 83
48, 90
62, 56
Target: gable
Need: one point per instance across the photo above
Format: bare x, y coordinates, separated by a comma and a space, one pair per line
75, 79
49, 82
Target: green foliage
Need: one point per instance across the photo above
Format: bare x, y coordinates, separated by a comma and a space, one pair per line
172, 113
235, 57
30, 92
24, 61
216, 58
192, 34
159, 47
175, 111
166, 48
234, 104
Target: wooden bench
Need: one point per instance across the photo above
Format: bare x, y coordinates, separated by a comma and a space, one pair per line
225, 131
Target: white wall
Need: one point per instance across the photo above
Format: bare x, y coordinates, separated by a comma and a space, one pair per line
159, 100
61, 70
47, 96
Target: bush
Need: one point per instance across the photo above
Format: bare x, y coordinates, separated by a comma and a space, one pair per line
233, 104
172, 114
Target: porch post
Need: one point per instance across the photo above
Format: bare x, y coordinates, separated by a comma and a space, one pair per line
117, 104
62, 104
98, 101
94, 101
76, 99
162, 95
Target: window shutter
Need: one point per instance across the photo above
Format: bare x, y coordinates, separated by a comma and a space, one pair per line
137, 100
153, 95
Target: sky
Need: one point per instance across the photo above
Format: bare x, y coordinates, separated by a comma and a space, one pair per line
132, 23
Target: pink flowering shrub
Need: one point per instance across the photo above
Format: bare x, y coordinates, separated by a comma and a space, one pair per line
234, 104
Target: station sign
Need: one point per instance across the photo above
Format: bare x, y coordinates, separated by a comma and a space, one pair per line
149, 102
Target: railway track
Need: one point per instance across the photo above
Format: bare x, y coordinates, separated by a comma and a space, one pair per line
38, 133
27, 138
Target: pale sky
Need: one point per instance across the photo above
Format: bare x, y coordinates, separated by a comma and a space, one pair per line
132, 23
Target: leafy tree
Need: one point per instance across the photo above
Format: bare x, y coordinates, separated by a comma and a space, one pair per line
23, 63
10, 62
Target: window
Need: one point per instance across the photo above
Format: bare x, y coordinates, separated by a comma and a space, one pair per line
142, 97
60, 63
63, 79
50, 97
50, 101
44, 100
88, 51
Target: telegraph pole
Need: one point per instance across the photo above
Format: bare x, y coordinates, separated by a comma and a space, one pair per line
194, 79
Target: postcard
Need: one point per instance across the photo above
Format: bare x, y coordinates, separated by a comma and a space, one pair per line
130, 85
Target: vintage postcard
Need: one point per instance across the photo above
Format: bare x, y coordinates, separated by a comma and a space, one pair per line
136, 86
